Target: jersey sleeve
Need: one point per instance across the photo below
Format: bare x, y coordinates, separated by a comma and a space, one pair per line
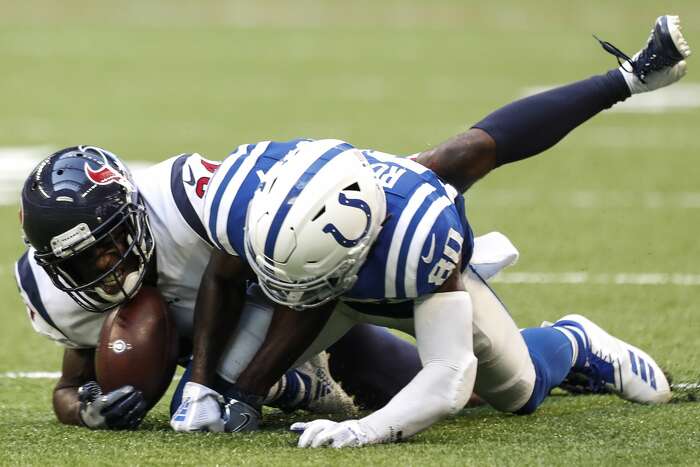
36, 302
189, 179
52, 312
438, 251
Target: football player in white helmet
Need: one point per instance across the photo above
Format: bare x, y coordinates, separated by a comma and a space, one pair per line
319, 235
93, 231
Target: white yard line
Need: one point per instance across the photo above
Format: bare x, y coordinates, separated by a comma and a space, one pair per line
581, 278
38, 375
17, 162
678, 97
587, 199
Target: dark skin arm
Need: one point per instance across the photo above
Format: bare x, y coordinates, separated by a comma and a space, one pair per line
78, 369
281, 347
462, 160
219, 305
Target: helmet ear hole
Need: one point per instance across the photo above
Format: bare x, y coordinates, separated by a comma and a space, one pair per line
319, 213
354, 187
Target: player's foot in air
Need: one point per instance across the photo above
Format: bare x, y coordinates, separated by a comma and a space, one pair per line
324, 394
662, 60
606, 363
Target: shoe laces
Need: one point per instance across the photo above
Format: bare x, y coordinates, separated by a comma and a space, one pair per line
647, 61
625, 62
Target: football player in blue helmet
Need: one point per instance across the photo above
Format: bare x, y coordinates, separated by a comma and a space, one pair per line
85, 219
87, 227
317, 236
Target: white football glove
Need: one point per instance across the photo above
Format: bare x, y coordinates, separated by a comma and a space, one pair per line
349, 433
200, 410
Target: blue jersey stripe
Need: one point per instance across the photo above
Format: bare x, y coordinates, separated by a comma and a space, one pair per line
182, 201
214, 209
286, 205
403, 251
27, 282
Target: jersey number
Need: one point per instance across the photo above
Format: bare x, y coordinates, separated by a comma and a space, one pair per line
202, 182
450, 257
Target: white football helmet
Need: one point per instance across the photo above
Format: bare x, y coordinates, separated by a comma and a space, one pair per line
312, 222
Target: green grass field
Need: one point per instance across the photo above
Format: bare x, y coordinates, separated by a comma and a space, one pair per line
150, 79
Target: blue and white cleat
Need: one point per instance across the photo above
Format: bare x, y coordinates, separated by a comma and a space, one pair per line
324, 394
610, 364
662, 60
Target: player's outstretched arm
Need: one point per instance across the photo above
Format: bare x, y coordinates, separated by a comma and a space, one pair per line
532, 125
220, 301
443, 325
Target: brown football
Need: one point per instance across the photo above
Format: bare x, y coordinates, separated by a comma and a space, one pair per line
138, 346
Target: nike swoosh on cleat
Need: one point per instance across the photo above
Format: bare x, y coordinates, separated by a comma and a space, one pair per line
191, 180
243, 423
429, 257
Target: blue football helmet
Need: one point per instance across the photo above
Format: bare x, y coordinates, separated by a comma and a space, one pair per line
83, 215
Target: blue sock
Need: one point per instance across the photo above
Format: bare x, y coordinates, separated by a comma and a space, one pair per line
531, 125
551, 353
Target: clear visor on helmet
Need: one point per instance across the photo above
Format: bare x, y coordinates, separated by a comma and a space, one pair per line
102, 269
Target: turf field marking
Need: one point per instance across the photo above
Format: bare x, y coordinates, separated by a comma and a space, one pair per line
678, 97
31, 374
39, 375
590, 199
579, 278
17, 162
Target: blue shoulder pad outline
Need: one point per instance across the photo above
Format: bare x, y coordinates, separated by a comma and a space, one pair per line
26, 282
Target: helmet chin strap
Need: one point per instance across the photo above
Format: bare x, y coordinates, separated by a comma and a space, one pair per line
131, 285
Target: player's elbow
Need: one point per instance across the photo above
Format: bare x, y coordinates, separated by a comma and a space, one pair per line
455, 385
66, 405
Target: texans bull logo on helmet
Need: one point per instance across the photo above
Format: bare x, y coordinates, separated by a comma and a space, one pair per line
106, 174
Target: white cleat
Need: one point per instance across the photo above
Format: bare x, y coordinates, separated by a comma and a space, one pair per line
612, 364
662, 60
324, 394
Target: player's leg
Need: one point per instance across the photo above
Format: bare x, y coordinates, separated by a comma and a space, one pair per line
603, 362
373, 364
531, 125
516, 370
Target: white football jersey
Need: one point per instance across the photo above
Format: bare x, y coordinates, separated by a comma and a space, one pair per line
173, 191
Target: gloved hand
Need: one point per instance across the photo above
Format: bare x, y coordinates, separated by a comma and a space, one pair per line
123, 408
240, 416
349, 433
201, 409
